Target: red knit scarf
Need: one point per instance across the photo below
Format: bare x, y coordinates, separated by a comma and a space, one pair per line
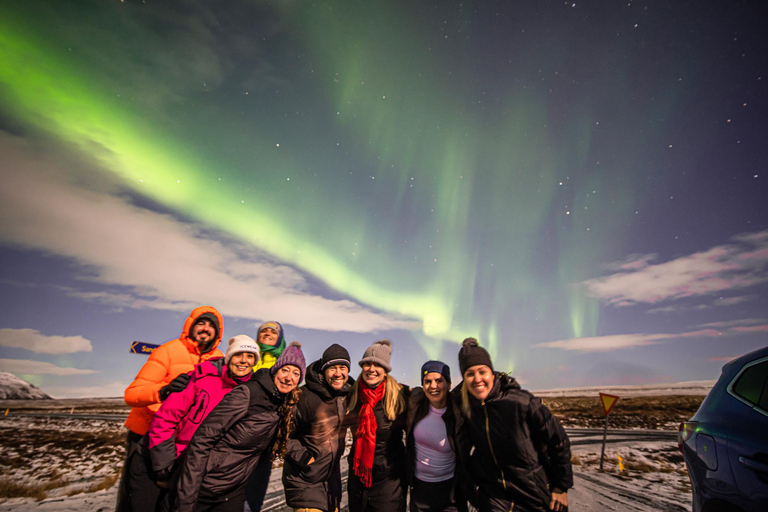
365, 442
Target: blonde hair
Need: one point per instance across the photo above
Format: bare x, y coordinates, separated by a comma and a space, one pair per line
465, 408
394, 403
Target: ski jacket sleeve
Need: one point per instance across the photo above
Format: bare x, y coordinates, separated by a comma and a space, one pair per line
145, 389
232, 408
552, 443
162, 431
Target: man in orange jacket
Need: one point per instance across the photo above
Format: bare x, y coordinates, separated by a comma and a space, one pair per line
165, 372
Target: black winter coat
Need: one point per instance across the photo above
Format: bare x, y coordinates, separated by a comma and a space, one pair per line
418, 407
230, 441
318, 434
521, 451
388, 476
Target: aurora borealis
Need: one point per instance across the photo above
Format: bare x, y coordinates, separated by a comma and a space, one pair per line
579, 186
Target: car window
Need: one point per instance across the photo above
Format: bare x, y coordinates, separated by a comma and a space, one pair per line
751, 384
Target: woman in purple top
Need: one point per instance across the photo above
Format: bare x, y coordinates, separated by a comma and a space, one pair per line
431, 444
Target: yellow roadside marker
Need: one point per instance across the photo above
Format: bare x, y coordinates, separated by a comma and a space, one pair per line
621, 462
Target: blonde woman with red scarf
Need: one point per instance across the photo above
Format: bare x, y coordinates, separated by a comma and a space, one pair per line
376, 415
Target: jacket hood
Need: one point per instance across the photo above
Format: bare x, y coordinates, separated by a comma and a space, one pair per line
315, 381
501, 383
190, 321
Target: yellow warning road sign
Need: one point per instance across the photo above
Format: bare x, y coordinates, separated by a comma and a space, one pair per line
608, 402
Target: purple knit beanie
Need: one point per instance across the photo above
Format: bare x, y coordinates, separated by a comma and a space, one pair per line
291, 355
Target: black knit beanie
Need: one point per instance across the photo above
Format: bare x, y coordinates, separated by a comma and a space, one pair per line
472, 354
207, 316
333, 355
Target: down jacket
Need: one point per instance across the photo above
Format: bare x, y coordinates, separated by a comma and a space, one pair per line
178, 418
230, 441
521, 451
318, 434
165, 363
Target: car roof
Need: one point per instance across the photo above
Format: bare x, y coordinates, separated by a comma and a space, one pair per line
736, 364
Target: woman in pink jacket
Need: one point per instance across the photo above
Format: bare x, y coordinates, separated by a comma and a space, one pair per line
176, 421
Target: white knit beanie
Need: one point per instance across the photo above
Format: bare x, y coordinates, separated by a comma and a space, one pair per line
241, 343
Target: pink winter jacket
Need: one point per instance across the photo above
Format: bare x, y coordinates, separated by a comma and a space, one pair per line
181, 413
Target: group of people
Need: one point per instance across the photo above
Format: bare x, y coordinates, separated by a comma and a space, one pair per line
206, 426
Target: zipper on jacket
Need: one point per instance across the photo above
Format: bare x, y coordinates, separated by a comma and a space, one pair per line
493, 454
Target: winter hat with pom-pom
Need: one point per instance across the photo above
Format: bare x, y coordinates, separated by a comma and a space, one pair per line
379, 353
472, 354
241, 343
291, 355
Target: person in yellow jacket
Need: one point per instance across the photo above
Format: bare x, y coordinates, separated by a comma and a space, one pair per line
271, 340
271, 344
165, 372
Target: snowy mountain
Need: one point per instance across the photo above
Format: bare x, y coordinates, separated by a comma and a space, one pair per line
14, 388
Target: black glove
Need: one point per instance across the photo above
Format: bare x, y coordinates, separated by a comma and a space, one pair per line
177, 384
163, 475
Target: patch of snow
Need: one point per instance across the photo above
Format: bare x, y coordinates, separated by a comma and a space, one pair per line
14, 388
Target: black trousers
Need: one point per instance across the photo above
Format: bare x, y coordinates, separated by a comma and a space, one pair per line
234, 502
386, 495
433, 496
258, 482
146, 495
124, 489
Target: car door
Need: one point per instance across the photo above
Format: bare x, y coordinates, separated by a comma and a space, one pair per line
748, 442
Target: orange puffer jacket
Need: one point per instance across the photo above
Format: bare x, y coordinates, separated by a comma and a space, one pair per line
165, 363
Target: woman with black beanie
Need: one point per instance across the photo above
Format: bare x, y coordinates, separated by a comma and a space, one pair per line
522, 456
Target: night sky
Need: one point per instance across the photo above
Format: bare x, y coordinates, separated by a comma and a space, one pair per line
581, 186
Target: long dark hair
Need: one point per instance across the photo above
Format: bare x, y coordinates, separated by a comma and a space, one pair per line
287, 423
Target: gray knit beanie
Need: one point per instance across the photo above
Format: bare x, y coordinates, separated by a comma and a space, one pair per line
379, 353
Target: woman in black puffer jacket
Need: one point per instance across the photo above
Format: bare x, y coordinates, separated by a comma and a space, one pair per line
522, 455
237, 433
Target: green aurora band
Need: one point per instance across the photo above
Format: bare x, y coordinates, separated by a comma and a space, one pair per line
486, 182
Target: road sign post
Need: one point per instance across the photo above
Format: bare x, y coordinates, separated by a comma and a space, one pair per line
608, 401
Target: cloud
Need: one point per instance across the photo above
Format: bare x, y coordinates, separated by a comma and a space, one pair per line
717, 303
28, 367
604, 343
734, 323
724, 359
31, 339
158, 261
740, 264
621, 341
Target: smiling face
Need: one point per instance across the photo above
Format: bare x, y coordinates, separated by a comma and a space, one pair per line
241, 364
373, 374
435, 389
268, 336
479, 381
287, 378
336, 376
203, 332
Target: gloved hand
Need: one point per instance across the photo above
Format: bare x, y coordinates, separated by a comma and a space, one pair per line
162, 477
177, 384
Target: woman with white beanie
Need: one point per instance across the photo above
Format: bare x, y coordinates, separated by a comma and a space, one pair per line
181, 413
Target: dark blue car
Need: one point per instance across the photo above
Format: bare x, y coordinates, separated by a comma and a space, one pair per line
725, 444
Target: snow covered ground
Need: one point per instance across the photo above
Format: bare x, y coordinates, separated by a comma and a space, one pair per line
71, 464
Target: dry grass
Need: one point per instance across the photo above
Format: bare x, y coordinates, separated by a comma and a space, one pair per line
654, 412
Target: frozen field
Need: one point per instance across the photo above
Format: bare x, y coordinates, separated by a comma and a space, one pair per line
72, 464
